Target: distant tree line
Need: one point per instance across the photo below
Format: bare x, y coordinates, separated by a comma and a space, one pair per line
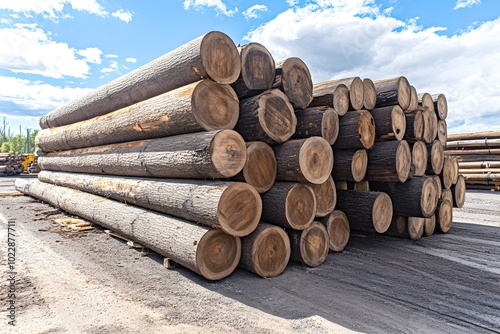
16, 143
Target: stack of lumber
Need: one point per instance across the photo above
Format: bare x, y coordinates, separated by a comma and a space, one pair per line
10, 164
478, 155
254, 170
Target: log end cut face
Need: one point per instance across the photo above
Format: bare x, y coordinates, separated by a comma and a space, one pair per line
442, 106
239, 209
382, 213
437, 157
297, 82
370, 94
257, 67
314, 244
403, 161
261, 166
215, 106
326, 197
366, 129
429, 197
338, 229
228, 152
413, 98
445, 216
442, 132
416, 227
220, 57
341, 99
459, 192
217, 254
316, 160
271, 252
419, 157
277, 116
398, 120
300, 206
359, 165
429, 225
404, 92
357, 93
330, 126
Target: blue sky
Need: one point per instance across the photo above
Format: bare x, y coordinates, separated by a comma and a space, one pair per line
54, 51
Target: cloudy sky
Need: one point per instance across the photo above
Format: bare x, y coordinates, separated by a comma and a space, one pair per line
54, 51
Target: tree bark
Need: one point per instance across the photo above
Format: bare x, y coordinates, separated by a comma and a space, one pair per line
211, 253
266, 251
369, 95
458, 191
267, 117
435, 158
361, 185
290, 205
440, 105
234, 207
317, 121
350, 165
311, 245
393, 91
201, 106
444, 216
369, 211
212, 55
257, 70
414, 126
356, 131
417, 197
215, 154
303, 160
337, 226
331, 94
419, 157
294, 79
326, 197
356, 91
260, 166
389, 161
390, 123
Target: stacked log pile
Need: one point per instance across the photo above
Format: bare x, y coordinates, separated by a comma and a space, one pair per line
10, 164
478, 156
245, 162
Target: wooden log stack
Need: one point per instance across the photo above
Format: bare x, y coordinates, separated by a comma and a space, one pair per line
247, 163
10, 164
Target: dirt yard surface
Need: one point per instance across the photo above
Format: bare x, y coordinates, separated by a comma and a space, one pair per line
89, 282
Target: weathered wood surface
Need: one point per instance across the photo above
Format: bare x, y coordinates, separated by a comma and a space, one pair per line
350, 165
406, 227
458, 190
292, 76
337, 226
414, 126
442, 132
413, 98
311, 245
331, 95
444, 216
234, 207
355, 88
214, 154
390, 123
212, 55
435, 158
356, 131
209, 252
369, 94
473, 143
393, 91
326, 197
493, 134
317, 121
440, 105
202, 106
419, 157
430, 125
389, 161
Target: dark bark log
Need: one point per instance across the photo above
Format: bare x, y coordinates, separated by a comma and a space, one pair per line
215, 154
356, 131
204, 105
406, 227
317, 121
393, 91
419, 156
266, 251
326, 197
390, 123
370, 94
361, 185
234, 207
267, 117
435, 158
337, 226
290, 205
294, 79
414, 126
311, 245
350, 165
458, 191
212, 55
209, 252
260, 166
331, 95
356, 91
440, 105
389, 161
368, 211
341, 185
303, 160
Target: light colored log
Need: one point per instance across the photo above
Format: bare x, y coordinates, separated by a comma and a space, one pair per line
260, 166
311, 245
369, 94
326, 197
337, 226
493, 134
419, 157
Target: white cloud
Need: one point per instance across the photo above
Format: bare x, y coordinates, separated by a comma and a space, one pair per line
217, 4
338, 39
52, 8
252, 12
131, 60
292, 3
111, 56
466, 3
91, 55
124, 15
28, 49
113, 67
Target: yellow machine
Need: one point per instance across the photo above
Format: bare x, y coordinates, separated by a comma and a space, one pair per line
30, 158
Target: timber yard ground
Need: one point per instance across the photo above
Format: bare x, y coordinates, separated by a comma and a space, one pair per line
89, 282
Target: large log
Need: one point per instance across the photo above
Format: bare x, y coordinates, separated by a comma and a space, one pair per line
260, 166
449, 174
430, 125
257, 70
458, 191
331, 95
393, 91
234, 207
212, 55
337, 226
493, 134
440, 105
356, 91
444, 216
369, 94
425, 100
473, 143
413, 98
311, 245
390, 123
414, 126
350, 165
478, 164
417, 197
389, 161
201, 106
442, 132
303, 160
317, 121
267, 117
435, 158
326, 197
215, 154
266, 251
290, 205
294, 79
369, 211
356, 131
209, 252
406, 227
419, 157
429, 225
